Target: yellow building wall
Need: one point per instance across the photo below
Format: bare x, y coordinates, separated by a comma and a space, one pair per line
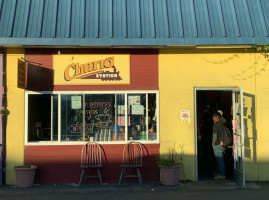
181, 71
15, 122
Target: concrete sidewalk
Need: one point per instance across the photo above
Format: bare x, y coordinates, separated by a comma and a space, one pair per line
131, 191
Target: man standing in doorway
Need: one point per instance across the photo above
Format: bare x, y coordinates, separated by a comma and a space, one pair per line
217, 143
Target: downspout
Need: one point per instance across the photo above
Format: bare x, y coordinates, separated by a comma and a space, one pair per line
4, 112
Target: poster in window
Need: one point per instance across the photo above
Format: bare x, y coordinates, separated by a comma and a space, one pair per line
121, 109
121, 120
134, 100
76, 102
137, 110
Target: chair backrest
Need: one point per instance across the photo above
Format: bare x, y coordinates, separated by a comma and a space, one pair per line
132, 154
91, 154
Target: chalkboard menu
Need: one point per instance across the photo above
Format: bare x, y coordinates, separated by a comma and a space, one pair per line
99, 110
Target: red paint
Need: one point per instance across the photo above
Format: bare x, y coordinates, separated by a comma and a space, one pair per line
61, 163
143, 70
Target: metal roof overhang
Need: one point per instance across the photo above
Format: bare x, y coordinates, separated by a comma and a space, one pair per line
132, 42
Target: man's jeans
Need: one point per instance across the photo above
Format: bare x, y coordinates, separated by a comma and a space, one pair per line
219, 152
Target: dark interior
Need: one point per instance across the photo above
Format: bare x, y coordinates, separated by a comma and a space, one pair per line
39, 117
208, 103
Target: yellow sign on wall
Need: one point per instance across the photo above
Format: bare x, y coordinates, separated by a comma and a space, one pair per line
91, 69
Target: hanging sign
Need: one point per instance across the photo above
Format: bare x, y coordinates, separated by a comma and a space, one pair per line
22, 70
91, 69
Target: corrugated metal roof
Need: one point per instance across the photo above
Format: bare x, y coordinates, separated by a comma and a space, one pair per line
133, 22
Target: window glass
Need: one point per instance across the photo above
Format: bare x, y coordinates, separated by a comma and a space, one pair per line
137, 114
55, 117
118, 128
39, 117
99, 115
152, 117
92, 117
71, 117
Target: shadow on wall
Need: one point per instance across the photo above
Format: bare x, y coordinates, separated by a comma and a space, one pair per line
61, 163
250, 127
39, 78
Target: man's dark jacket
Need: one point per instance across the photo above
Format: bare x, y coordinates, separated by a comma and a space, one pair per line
217, 132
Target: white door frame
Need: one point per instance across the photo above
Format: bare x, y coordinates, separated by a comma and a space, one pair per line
230, 89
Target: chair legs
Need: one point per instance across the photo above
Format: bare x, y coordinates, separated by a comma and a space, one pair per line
99, 175
123, 171
139, 175
122, 175
81, 176
83, 173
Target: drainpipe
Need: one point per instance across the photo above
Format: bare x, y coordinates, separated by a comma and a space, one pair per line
4, 112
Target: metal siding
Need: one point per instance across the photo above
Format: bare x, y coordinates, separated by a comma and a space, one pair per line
7, 18
92, 19
49, 19
161, 19
265, 8
229, 17
133, 19
157, 22
216, 18
119, 19
63, 19
1, 6
35, 18
257, 19
188, 18
105, 14
21, 18
202, 18
175, 18
1, 133
77, 18
243, 17
147, 19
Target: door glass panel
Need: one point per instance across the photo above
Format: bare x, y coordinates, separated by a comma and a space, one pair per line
238, 130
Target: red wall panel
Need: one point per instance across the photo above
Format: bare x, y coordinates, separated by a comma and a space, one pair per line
61, 163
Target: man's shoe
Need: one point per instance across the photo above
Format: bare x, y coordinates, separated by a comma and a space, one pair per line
219, 177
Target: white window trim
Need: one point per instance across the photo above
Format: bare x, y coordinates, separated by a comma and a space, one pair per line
59, 142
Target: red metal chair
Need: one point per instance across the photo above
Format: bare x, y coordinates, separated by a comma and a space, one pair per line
132, 158
91, 158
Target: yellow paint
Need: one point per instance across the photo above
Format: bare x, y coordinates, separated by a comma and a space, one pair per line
180, 71
70, 69
15, 122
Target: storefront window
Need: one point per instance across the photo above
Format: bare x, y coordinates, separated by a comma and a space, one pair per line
99, 115
92, 117
118, 128
137, 113
55, 117
72, 118
39, 118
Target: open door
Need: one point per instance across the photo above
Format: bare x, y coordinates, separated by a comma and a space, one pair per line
238, 135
